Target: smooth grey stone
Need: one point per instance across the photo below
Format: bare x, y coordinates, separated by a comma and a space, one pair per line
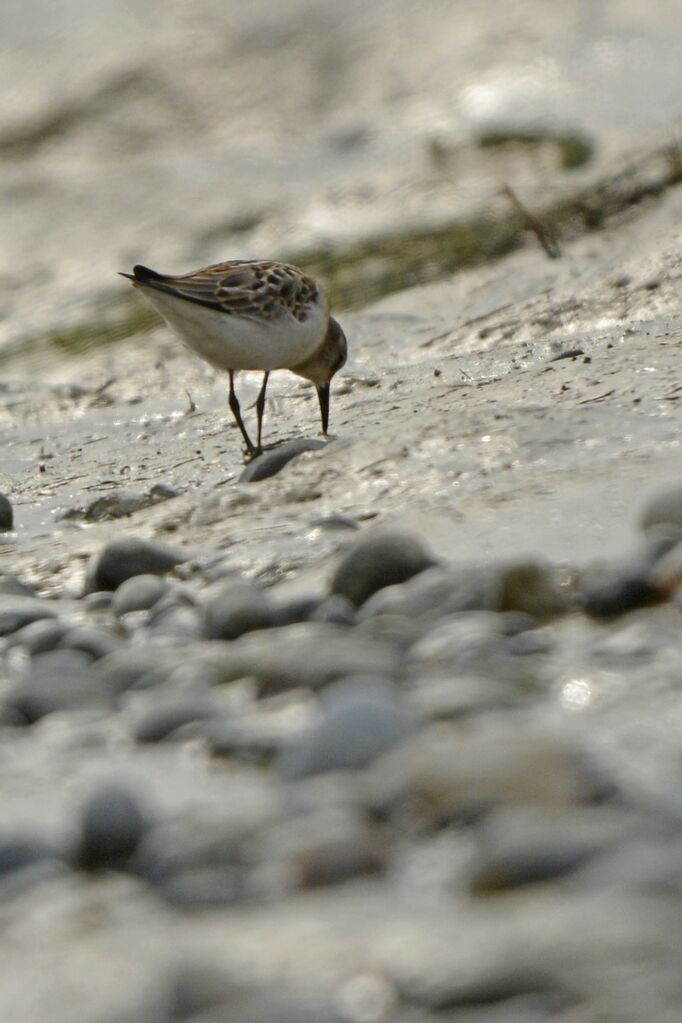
6, 513
123, 668
100, 600
160, 722
443, 698
248, 742
41, 636
663, 509
271, 462
180, 622
174, 597
384, 559
439, 592
336, 521
471, 643
613, 592
111, 828
296, 609
532, 588
235, 609
131, 556
205, 887
12, 585
335, 609
453, 772
308, 655
58, 680
525, 846
138, 593
17, 611
17, 853
519, 985
91, 640
361, 719
643, 863
337, 861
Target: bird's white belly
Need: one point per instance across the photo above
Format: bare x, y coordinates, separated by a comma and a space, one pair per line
229, 342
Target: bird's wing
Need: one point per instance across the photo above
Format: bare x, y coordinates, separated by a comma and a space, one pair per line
258, 290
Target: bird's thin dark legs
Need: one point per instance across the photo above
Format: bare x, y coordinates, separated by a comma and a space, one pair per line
260, 406
236, 412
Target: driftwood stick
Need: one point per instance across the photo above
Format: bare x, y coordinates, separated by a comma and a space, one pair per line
531, 222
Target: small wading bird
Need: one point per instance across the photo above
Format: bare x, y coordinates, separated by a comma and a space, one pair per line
251, 315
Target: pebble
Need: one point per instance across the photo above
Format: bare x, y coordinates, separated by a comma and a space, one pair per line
271, 462
91, 640
41, 636
59, 680
336, 609
612, 592
531, 587
99, 600
438, 592
128, 557
122, 669
236, 609
13, 585
336, 522
361, 719
18, 611
384, 559
112, 826
18, 853
308, 655
6, 513
300, 608
472, 643
138, 593
663, 509
453, 771
522, 845
158, 723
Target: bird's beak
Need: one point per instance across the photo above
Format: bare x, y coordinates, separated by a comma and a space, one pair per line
323, 395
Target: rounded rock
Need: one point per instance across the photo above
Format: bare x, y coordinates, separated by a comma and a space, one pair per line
6, 513
41, 636
664, 509
12, 585
617, 592
60, 680
91, 640
361, 719
531, 587
269, 463
112, 826
138, 593
384, 559
235, 610
18, 611
158, 723
131, 556
336, 609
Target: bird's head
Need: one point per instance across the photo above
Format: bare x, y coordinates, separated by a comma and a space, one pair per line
324, 364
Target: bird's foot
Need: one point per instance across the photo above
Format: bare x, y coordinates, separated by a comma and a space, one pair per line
251, 452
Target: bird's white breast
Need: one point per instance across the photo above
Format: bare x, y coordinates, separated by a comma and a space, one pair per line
230, 342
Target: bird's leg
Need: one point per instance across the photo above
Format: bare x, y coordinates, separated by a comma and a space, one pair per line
236, 412
260, 407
